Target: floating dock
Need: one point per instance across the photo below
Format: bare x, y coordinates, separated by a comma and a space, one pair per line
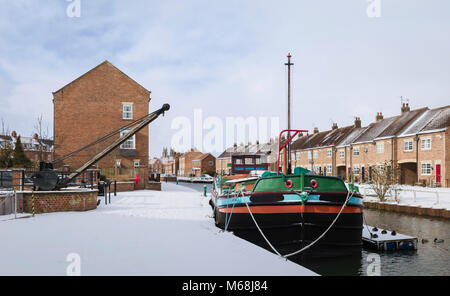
387, 240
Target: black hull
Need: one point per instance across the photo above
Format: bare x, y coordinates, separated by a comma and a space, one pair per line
289, 232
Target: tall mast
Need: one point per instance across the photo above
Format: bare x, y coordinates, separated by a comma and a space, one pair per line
287, 157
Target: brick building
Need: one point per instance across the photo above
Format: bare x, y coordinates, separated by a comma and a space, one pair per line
185, 162
240, 159
205, 163
417, 141
100, 101
155, 166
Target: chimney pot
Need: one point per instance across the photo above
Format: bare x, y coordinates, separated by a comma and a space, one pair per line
14, 134
335, 126
316, 130
358, 122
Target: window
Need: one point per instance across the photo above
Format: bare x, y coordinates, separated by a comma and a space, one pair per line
408, 146
356, 169
258, 160
380, 147
425, 144
329, 153
309, 154
210, 163
130, 143
297, 155
292, 155
249, 161
136, 164
426, 169
342, 154
356, 151
329, 169
238, 161
127, 110
316, 154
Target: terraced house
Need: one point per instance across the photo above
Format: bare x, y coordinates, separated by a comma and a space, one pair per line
417, 141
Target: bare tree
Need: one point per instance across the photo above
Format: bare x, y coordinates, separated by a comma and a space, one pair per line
6, 148
385, 179
41, 135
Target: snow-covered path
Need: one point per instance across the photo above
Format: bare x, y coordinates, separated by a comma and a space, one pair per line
140, 233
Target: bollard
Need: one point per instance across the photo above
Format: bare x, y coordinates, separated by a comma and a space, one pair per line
204, 190
115, 187
177, 181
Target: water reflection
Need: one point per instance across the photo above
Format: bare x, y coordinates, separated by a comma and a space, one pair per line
430, 258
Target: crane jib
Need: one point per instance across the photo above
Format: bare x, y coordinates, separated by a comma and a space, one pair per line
64, 182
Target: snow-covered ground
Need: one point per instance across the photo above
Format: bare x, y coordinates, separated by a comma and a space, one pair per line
139, 233
437, 198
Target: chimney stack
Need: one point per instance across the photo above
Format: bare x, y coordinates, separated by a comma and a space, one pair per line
405, 108
316, 130
335, 126
379, 116
358, 122
36, 137
14, 134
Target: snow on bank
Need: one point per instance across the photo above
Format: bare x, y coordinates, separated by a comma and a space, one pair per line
436, 198
140, 233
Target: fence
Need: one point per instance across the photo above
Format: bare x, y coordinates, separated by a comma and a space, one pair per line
414, 196
7, 203
23, 179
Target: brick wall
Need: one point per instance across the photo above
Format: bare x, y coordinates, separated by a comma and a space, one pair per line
90, 107
59, 201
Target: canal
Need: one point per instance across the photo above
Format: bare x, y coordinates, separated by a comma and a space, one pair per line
430, 259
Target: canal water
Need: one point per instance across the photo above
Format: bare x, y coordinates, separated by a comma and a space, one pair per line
430, 258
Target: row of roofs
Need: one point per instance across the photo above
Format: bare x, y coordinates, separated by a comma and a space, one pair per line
408, 123
29, 143
254, 149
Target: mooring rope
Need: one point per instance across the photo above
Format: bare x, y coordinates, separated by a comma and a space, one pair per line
312, 243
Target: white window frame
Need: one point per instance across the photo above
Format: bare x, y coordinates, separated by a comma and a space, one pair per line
138, 162
341, 153
130, 143
309, 154
428, 170
329, 169
425, 144
316, 154
356, 170
355, 151
408, 146
297, 155
329, 153
380, 148
127, 114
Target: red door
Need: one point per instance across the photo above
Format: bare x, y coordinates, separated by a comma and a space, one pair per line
438, 173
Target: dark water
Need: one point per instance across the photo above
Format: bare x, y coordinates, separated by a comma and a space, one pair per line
430, 258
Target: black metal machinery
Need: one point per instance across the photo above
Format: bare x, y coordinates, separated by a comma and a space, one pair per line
46, 179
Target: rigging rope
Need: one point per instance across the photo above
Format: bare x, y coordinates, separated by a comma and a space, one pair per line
306, 247
107, 136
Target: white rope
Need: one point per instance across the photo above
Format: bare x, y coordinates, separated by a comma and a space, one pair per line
312, 243
325, 232
273, 248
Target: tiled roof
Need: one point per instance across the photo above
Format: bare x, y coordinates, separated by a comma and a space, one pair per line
322, 139
388, 127
429, 120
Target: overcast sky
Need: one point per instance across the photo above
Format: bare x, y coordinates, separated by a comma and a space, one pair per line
227, 57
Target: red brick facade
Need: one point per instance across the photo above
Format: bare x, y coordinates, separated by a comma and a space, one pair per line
92, 106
